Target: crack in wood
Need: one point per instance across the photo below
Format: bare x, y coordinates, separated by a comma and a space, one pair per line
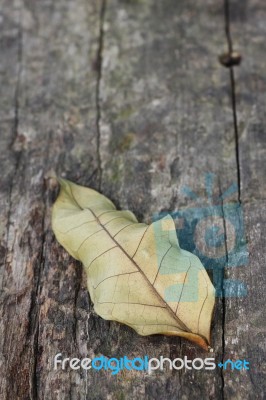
221, 288
233, 93
236, 136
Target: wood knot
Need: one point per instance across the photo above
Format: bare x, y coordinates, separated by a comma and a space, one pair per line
230, 59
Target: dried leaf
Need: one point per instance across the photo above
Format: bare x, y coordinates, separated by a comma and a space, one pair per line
136, 273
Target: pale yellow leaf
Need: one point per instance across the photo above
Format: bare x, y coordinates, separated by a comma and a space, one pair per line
136, 273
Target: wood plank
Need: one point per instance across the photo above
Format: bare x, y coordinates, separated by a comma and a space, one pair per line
245, 317
167, 122
55, 132
9, 72
130, 99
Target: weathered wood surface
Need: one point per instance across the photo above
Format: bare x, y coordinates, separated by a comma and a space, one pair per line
127, 97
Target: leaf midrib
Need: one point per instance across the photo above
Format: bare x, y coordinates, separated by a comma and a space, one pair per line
166, 306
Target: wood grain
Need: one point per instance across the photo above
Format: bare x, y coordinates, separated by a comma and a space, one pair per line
127, 97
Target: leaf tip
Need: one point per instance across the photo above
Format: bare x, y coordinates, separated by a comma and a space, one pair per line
62, 182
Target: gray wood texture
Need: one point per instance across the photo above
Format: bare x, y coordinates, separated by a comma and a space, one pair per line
127, 97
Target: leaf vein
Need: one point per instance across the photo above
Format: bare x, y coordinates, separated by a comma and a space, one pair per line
76, 227
113, 276
182, 287
207, 292
106, 212
161, 263
111, 220
124, 302
123, 228
140, 242
87, 239
106, 251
